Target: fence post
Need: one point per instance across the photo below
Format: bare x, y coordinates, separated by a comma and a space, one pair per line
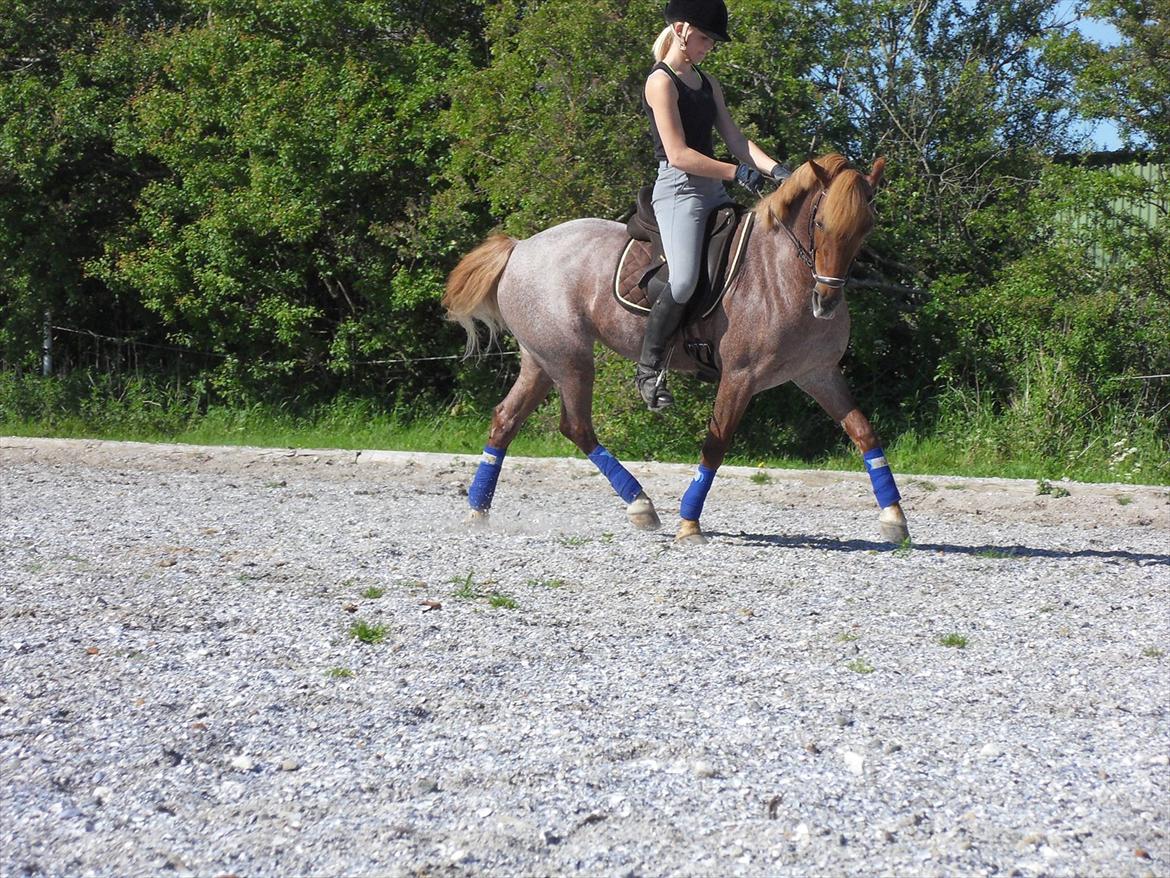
47, 345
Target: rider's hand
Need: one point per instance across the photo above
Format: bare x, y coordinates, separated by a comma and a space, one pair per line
749, 178
780, 173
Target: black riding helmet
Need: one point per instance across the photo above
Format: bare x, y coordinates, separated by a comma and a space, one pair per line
709, 16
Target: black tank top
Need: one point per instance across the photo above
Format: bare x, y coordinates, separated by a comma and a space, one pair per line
696, 108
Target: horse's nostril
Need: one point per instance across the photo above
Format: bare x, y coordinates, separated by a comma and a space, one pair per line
823, 309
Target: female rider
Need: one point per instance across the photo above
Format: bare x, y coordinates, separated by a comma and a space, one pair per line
683, 105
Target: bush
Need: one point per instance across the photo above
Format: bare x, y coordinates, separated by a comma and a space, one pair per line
1048, 359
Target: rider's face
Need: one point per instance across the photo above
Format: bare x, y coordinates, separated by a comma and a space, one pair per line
698, 45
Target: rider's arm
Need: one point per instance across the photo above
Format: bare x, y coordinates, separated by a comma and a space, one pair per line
662, 97
743, 149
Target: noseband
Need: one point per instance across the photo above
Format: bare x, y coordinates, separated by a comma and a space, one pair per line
809, 255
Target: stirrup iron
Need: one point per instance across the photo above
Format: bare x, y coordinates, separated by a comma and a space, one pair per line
651, 384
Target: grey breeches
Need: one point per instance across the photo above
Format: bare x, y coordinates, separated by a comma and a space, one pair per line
682, 203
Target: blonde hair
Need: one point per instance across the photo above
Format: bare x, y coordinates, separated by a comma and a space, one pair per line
662, 44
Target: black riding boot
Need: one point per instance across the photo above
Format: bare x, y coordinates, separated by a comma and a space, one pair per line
661, 325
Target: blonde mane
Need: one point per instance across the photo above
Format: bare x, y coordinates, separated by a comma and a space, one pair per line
775, 208
846, 209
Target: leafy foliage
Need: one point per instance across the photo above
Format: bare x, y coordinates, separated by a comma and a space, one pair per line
1129, 82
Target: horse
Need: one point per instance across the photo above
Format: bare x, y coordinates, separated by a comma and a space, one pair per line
784, 318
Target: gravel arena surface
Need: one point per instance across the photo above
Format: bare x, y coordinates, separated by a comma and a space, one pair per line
181, 692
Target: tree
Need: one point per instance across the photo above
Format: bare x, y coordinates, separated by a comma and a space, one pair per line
1129, 82
62, 187
295, 145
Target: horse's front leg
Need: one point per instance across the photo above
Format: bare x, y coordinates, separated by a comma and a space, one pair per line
731, 401
828, 388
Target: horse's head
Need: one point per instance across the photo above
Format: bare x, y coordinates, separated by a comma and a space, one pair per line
838, 203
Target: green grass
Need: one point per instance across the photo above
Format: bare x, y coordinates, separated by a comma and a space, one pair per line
373, 592
860, 666
366, 632
846, 637
339, 673
146, 411
957, 641
1153, 652
500, 601
1124, 499
340, 426
466, 590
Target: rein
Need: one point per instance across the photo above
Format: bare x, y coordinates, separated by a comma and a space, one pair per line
809, 255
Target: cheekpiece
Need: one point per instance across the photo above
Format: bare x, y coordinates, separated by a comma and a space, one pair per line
709, 16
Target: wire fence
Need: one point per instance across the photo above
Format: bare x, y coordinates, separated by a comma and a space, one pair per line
119, 353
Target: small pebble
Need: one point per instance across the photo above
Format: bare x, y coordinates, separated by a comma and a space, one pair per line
855, 762
702, 768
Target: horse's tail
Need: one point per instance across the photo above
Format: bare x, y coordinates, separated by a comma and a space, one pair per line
472, 287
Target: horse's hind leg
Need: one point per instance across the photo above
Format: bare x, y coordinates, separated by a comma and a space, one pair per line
529, 390
828, 388
576, 389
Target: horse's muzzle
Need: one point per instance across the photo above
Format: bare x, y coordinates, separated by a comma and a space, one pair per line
825, 308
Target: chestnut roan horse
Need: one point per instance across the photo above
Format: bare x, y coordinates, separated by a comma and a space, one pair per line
784, 319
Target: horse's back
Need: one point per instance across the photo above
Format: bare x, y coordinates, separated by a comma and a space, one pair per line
581, 242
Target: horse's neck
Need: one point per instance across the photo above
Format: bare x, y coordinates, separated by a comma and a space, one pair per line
775, 249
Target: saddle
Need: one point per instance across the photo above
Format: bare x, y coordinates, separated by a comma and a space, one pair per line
642, 271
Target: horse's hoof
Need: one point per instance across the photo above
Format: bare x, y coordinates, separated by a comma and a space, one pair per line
476, 518
689, 532
641, 513
893, 525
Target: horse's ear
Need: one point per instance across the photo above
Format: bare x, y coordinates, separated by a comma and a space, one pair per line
822, 175
875, 176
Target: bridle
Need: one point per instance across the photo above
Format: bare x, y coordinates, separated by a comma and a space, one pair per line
809, 255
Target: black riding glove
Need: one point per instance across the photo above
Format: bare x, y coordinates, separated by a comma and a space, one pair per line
749, 178
780, 173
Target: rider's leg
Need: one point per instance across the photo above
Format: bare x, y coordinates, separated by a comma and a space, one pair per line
681, 206
661, 325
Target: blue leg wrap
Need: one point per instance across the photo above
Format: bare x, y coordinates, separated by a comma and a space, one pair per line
692, 501
483, 486
626, 485
884, 488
